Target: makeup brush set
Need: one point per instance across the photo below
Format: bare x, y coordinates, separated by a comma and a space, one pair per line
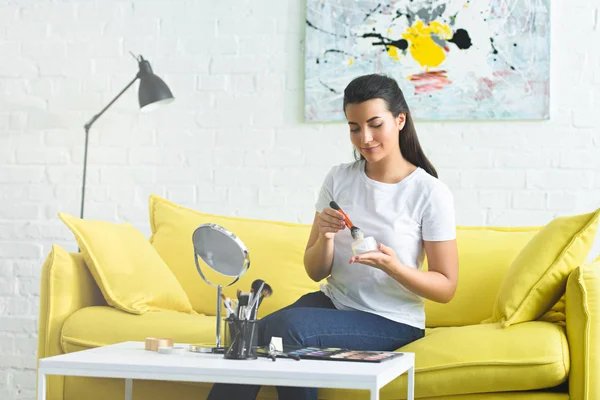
246, 306
241, 321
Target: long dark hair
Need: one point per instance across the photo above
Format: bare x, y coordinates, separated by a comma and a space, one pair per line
376, 86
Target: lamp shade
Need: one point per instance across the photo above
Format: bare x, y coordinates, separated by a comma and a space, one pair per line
153, 91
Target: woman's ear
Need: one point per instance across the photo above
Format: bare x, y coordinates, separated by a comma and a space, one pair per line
401, 121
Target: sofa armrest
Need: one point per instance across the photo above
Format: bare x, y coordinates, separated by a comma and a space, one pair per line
66, 286
583, 331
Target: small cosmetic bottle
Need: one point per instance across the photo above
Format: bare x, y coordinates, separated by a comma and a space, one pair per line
365, 245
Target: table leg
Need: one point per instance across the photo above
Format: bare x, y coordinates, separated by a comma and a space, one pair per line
375, 394
411, 383
41, 395
128, 389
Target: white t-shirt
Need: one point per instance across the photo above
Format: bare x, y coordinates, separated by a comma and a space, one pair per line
400, 215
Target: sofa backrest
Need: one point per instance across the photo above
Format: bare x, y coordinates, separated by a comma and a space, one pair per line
485, 254
277, 251
276, 255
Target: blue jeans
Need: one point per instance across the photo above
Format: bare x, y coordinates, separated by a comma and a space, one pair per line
313, 320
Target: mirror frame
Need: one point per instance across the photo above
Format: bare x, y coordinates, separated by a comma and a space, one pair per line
241, 245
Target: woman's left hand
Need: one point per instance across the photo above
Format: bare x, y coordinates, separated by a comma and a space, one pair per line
384, 259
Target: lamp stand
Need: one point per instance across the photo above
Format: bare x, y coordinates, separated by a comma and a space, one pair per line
87, 127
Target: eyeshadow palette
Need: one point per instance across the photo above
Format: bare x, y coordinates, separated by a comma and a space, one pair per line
335, 354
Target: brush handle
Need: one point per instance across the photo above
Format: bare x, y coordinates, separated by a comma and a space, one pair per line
254, 302
335, 206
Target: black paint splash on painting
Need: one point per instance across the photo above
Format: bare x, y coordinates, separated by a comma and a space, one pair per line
329, 51
371, 12
495, 52
328, 87
461, 39
400, 14
401, 44
336, 51
323, 30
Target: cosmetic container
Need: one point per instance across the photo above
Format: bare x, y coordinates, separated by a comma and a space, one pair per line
365, 245
241, 337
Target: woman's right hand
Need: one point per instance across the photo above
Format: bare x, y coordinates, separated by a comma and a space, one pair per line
330, 222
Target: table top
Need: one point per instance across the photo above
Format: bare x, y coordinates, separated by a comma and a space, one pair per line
131, 360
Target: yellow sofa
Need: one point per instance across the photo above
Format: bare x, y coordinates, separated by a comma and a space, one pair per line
460, 358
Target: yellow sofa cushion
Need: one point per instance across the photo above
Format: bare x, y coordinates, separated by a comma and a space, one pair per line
346, 394
487, 358
126, 268
450, 361
102, 325
276, 254
96, 326
485, 254
538, 276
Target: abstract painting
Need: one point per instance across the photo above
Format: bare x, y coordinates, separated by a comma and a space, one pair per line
453, 59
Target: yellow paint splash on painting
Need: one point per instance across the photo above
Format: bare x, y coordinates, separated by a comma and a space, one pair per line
422, 47
393, 53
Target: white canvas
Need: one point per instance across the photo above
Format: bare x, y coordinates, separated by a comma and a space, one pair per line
453, 59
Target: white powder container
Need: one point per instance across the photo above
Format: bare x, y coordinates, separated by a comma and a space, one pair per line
365, 245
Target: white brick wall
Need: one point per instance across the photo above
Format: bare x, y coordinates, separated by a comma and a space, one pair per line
233, 142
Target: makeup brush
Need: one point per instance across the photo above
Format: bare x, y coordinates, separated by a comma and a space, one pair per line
355, 231
266, 289
256, 285
227, 302
243, 300
261, 290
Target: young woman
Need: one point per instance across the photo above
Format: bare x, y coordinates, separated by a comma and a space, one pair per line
372, 301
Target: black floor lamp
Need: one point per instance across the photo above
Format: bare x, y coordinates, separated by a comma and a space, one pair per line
152, 92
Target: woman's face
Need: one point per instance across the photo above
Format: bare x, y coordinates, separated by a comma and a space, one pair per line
373, 129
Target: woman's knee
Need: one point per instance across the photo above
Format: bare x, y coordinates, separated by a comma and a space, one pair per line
290, 325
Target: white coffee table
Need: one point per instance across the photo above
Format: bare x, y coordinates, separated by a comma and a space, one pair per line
129, 361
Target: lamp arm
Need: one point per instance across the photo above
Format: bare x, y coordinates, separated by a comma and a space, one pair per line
95, 117
87, 127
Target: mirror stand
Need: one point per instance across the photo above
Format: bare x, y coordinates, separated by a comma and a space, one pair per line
219, 292
225, 253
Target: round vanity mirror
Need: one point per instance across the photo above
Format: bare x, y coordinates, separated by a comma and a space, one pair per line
221, 250
224, 253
